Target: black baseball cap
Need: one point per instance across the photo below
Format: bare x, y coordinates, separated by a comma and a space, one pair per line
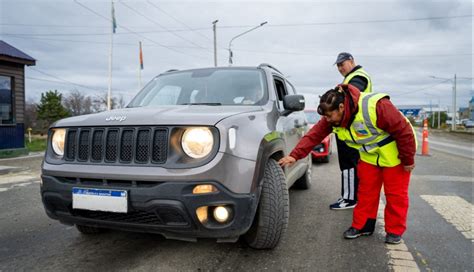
343, 57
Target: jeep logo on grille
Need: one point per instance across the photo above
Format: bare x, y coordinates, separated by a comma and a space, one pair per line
116, 118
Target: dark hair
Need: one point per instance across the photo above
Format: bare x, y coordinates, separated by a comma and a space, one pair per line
330, 100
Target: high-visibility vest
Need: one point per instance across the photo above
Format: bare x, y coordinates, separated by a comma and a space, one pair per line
375, 146
360, 72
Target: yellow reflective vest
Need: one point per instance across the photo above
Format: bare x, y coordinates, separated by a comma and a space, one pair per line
360, 72
375, 146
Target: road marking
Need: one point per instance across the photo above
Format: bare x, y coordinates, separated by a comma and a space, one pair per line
400, 258
17, 185
442, 178
454, 209
17, 178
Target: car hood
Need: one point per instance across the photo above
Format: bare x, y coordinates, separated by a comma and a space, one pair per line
164, 115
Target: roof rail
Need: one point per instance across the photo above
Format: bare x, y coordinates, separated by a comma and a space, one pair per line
269, 66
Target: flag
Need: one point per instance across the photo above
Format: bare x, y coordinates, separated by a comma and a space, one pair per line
114, 23
141, 56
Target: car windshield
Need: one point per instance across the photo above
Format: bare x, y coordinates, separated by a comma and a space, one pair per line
204, 87
312, 116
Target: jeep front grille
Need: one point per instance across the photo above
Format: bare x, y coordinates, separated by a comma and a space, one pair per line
139, 145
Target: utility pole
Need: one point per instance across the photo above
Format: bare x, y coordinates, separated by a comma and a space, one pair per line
215, 42
439, 112
453, 125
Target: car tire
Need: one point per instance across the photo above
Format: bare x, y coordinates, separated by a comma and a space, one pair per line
325, 159
271, 219
89, 230
304, 183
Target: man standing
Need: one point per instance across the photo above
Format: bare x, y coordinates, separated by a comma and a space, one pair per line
386, 142
348, 157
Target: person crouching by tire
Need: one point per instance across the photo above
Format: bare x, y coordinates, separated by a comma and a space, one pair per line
387, 145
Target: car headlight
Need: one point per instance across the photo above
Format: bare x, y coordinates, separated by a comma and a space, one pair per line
197, 142
57, 141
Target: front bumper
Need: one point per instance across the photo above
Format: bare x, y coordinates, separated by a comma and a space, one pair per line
167, 208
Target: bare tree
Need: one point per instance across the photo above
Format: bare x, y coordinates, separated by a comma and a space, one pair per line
77, 103
99, 102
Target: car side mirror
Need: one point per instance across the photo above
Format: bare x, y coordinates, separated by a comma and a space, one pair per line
291, 103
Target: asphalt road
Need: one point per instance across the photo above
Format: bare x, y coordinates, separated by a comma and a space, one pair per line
439, 235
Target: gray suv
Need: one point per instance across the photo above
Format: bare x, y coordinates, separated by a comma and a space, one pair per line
194, 155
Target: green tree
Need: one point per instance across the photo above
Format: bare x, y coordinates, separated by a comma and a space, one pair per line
50, 108
443, 118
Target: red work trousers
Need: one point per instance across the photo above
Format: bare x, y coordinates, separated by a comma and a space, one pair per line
395, 181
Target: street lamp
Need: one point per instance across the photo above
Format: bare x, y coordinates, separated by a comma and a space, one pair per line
453, 125
230, 43
439, 111
215, 42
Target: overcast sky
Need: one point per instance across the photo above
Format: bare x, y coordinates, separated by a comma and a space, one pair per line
395, 41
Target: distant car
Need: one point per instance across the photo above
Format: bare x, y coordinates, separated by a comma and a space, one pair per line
469, 124
322, 151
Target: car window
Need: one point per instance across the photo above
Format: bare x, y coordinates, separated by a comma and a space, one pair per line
205, 86
280, 88
290, 88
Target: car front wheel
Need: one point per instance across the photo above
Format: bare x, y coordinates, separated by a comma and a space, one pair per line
271, 219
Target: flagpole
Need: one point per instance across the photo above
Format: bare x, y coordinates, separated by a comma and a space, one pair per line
140, 66
109, 106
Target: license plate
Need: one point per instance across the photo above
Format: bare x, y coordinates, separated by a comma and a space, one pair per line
100, 200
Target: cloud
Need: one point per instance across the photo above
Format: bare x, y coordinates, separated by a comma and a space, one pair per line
301, 39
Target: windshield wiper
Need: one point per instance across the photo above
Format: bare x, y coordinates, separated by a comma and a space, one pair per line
205, 103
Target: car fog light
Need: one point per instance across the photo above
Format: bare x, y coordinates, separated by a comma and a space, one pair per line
204, 189
221, 214
321, 150
201, 213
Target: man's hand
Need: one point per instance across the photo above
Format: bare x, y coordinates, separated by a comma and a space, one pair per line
409, 168
288, 160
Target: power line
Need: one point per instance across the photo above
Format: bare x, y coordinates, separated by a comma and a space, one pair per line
158, 24
63, 80
66, 83
232, 26
174, 18
375, 21
434, 55
105, 43
131, 31
421, 89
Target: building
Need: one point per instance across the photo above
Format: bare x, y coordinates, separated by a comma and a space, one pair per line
420, 112
12, 96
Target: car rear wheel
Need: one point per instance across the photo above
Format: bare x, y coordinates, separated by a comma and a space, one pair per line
271, 219
325, 159
88, 230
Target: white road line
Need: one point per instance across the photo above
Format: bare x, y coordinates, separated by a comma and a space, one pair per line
17, 185
17, 178
400, 258
442, 178
455, 210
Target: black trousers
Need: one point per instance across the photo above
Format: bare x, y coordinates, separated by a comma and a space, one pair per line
348, 159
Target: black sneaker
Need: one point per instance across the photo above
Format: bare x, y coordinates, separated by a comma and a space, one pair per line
393, 239
343, 204
353, 233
